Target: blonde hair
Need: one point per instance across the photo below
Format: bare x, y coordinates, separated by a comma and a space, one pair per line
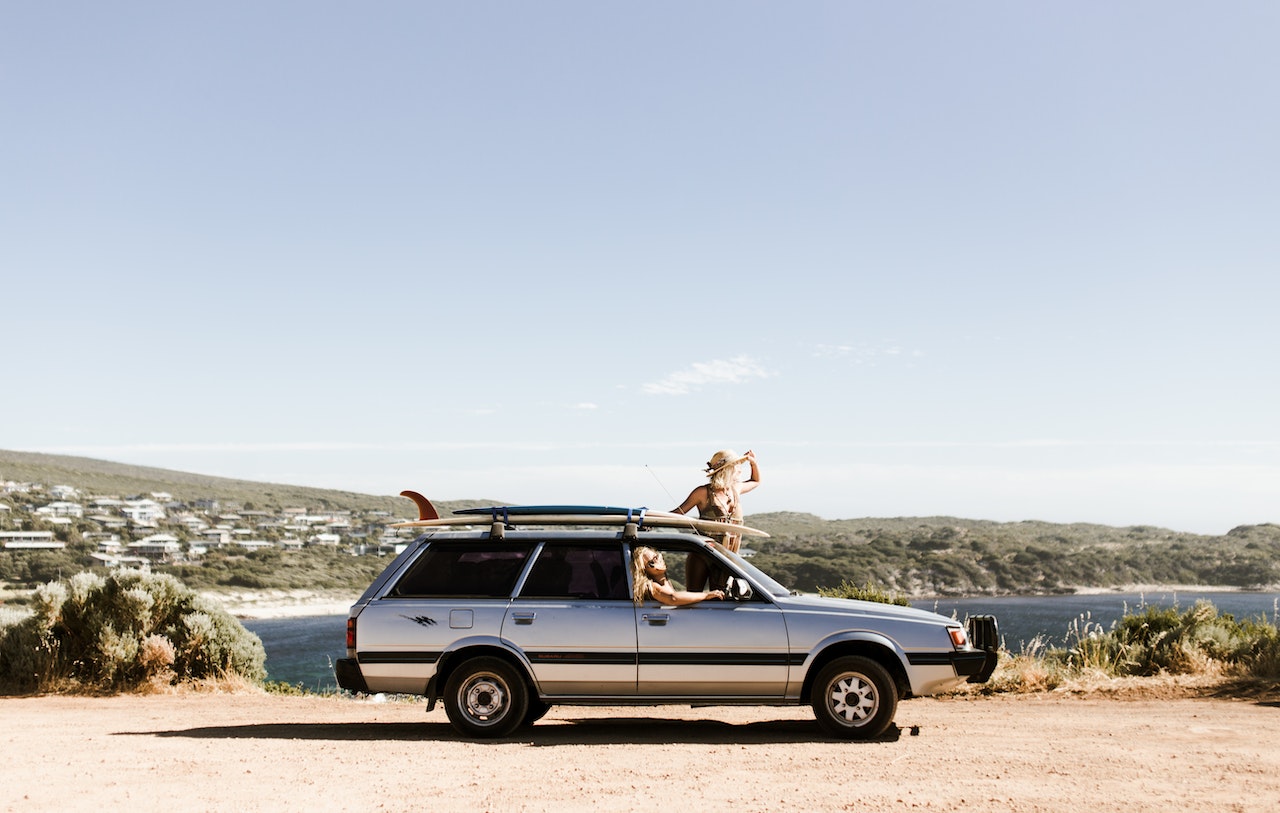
640, 581
725, 478
722, 469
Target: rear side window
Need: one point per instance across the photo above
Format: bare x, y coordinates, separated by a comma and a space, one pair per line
575, 571
464, 570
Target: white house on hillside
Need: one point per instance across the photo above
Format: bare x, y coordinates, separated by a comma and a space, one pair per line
30, 540
216, 537
61, 509
156, 547
143, 512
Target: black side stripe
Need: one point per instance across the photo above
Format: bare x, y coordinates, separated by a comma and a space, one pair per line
720, 659
398, 657
617, 658
592, 658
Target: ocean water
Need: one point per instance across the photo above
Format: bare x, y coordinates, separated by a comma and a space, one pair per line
303, 650
1024, 618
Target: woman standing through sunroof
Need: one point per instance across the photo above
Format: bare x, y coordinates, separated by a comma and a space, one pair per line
720, 500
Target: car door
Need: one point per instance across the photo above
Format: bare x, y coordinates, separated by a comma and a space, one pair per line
575, 622
713, 648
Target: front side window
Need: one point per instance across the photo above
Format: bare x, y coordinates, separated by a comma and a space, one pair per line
694, 569
465, 570
767, 582
576, 571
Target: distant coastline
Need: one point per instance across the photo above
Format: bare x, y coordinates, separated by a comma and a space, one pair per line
271, 604
1169, 588
283, 603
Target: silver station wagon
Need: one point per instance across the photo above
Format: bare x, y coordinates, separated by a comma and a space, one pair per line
534, 608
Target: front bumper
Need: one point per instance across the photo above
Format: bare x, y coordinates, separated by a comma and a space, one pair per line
984, 635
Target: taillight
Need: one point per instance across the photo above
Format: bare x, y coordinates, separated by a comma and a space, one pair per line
351, 637
958, 637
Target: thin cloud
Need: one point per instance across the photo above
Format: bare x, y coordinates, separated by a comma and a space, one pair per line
865, 352
333, 446
701, 374
342, 446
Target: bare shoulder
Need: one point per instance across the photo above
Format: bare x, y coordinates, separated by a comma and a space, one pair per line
697, 498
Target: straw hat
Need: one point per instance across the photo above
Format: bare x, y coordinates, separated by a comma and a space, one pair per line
722, 458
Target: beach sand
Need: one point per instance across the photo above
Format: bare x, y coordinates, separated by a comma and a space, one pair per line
250, 751
283, 603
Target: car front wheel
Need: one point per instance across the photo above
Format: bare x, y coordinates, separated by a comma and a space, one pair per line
486, 697
854, 698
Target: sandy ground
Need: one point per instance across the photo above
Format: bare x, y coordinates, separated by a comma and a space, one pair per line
233, 752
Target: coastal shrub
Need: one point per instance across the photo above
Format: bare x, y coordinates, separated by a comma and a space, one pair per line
1165, 640
1258, 650
1026, 671
123, 631
868, 592
1146, 642
285, 688
1159, 640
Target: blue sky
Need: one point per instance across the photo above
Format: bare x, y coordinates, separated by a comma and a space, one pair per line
992, 260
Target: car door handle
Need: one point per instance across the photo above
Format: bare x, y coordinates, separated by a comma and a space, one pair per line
523, 618
656, 620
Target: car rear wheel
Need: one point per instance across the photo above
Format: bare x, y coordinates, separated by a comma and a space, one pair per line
486, 697
854, 698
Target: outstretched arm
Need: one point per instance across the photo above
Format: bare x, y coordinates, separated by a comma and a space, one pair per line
664, 594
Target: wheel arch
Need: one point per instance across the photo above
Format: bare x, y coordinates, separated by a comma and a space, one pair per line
450, 660
879, 651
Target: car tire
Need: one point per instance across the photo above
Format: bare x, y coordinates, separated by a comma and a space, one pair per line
854, 698
486, 697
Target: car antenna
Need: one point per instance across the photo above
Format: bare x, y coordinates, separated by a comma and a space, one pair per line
669, 497
660, 484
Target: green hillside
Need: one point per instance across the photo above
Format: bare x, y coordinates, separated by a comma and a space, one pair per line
103, 477
915, 556
927, 556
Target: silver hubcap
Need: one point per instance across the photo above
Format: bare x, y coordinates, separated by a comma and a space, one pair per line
852, 699
484, 696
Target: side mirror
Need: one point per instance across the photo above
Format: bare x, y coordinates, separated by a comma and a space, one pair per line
737, 589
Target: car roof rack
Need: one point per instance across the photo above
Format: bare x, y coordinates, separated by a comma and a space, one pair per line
511, 516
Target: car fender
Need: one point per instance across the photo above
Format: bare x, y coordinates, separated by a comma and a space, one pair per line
477, 644
825, 649
489, 642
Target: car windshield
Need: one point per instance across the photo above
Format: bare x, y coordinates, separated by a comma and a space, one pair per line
767, 582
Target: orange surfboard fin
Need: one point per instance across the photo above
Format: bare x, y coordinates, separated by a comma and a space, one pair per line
425, 509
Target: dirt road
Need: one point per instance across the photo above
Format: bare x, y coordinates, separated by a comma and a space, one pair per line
248, 752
